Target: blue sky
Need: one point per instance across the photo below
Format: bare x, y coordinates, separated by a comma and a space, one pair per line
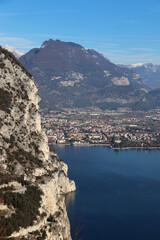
124, 31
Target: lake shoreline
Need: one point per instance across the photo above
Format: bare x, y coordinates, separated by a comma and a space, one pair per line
106, 145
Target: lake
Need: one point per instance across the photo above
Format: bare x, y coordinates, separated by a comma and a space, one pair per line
118, 193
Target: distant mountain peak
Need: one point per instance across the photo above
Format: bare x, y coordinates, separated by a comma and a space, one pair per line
17, 53
58, 43
137, 65
148, 72
68, 75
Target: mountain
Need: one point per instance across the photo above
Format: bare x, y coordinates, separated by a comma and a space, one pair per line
13, 50
149, 72
150, 100
33, 180
68, 75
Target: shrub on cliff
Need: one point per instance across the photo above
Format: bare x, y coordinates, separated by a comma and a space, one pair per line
26, 209
5, 100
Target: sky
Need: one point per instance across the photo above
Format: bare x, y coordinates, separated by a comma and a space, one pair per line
124, 31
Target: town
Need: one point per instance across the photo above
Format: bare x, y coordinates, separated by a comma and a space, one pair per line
116, 129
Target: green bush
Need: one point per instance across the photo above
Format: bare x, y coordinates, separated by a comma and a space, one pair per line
26, 208
20, 155
5, 100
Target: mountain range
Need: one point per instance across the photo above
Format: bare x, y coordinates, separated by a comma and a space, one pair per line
149, 72
14, 50
68, 75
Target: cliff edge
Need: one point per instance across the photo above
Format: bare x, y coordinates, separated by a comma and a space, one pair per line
33, 180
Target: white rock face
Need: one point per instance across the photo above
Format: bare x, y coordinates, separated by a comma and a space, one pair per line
107, 73
123, 81
24, 152
72, 79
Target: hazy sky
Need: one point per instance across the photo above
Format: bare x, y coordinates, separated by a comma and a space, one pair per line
125, 31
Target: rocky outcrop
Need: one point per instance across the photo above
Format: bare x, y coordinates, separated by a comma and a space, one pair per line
32, 178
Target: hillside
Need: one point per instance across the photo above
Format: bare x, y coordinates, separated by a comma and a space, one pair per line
149, 101
149, 72
33, 180
68, 75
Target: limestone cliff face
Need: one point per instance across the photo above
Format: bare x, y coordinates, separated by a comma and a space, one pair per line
26, 165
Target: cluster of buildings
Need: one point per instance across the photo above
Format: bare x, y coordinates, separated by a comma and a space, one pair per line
93, 126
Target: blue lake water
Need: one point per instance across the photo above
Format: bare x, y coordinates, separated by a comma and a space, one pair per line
118, 193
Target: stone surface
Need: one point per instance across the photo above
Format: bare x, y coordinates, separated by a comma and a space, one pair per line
24, 151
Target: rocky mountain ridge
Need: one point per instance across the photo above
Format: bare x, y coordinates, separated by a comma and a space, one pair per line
30, 175
150, 73
68, 75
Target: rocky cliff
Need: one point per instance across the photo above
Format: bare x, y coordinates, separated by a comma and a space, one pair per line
33, 180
